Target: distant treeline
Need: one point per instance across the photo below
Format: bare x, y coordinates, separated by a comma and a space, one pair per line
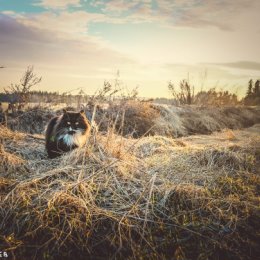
181, 96
45, 97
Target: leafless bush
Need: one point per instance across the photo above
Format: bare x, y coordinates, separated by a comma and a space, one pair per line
186, 93
21, 90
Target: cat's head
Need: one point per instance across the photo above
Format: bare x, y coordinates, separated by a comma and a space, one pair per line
73, 123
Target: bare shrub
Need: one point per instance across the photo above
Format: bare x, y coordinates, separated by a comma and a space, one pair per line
21, 90
185, 95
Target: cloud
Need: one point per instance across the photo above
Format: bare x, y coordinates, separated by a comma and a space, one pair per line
23, 44
205, 13
118, 6
72, 23
222, 14
58, 4
244, 65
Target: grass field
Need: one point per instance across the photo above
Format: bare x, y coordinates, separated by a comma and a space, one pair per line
158, 196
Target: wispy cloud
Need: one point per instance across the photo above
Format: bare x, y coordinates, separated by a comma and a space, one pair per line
245, 65
58, 4
69, 23
22, 44
221, 14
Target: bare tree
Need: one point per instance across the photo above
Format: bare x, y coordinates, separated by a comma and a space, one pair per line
21, 90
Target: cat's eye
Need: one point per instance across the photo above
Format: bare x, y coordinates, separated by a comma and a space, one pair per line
76, 123
68, 123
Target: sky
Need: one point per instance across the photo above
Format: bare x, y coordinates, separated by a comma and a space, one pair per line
77, 44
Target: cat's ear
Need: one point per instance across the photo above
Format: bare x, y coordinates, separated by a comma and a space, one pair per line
64, 111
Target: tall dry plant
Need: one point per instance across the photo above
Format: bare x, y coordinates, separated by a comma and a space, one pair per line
185, 95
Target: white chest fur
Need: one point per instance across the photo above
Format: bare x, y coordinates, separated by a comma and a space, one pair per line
75, 139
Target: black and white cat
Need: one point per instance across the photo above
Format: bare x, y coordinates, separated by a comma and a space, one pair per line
66, 132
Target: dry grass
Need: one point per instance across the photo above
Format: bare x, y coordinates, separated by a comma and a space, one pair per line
129, 118
10, 163
183, 121
122, 198
32, 121
135, 118
229, 134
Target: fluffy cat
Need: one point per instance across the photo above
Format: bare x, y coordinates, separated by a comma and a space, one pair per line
66, 132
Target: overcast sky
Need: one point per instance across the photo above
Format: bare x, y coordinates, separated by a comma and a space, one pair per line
81, 43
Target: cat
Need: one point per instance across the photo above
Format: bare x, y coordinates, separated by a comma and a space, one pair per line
66, 132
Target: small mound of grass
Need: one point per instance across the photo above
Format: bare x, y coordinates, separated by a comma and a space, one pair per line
31, 121
155, 144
